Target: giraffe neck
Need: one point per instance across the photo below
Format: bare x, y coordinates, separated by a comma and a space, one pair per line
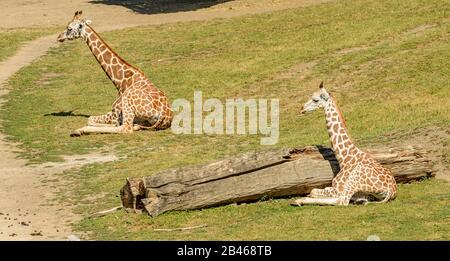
343, 146
118, 70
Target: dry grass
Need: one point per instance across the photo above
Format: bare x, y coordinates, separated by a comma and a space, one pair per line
386, 74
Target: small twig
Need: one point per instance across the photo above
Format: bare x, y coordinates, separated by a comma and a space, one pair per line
104, 212
179, 229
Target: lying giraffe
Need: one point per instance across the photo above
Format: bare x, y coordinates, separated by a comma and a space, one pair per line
140, 104
361, 178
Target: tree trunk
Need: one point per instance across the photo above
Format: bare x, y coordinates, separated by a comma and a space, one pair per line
257, 175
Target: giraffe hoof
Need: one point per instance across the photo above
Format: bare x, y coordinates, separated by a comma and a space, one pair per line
75, 133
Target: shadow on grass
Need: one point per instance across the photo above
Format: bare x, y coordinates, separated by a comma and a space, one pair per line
67, 114
160, 6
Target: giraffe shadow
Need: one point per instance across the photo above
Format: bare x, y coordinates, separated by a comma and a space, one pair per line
67, 114
328, 154
160, 6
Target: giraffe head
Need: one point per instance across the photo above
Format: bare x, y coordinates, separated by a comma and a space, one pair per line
318, 100
75, 28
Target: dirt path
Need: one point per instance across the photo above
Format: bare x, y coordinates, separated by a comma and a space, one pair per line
27, 210
105, 13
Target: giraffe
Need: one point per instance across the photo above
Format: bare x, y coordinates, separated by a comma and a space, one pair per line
361, 179
140, 105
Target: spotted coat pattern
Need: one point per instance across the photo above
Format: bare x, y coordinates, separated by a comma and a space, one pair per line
360, 176
140, 105
139, 100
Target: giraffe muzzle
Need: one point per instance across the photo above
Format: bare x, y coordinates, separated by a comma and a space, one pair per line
302, 111
61, 38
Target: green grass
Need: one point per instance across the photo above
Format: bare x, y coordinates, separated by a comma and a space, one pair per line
398, 81
12, 39
419, 213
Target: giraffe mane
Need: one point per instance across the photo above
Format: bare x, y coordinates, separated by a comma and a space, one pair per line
338, 110
112, 51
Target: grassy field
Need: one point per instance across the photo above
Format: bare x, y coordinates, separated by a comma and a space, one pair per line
12, 39
385, 61
420, 213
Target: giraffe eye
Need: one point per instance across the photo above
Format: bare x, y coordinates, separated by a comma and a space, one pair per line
315, 100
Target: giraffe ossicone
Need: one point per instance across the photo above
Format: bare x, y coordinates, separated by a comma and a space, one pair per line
361, 179
140, 105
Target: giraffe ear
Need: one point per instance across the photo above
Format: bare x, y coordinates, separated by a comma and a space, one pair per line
321, 85
88, 22
323, 93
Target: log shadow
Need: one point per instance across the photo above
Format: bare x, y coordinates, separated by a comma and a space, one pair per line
67, 114
328, 154
160, 6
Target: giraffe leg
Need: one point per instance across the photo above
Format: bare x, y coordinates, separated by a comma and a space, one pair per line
96, 129
361, 201
350, 190
108, 120
339, 201
387, 196
126, 127
344, 200
328, 196
105, 130
112, 118
328, 192
136, 127
316, 201
362, 198
94, 124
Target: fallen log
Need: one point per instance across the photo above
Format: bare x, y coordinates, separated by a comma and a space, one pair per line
257, 175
